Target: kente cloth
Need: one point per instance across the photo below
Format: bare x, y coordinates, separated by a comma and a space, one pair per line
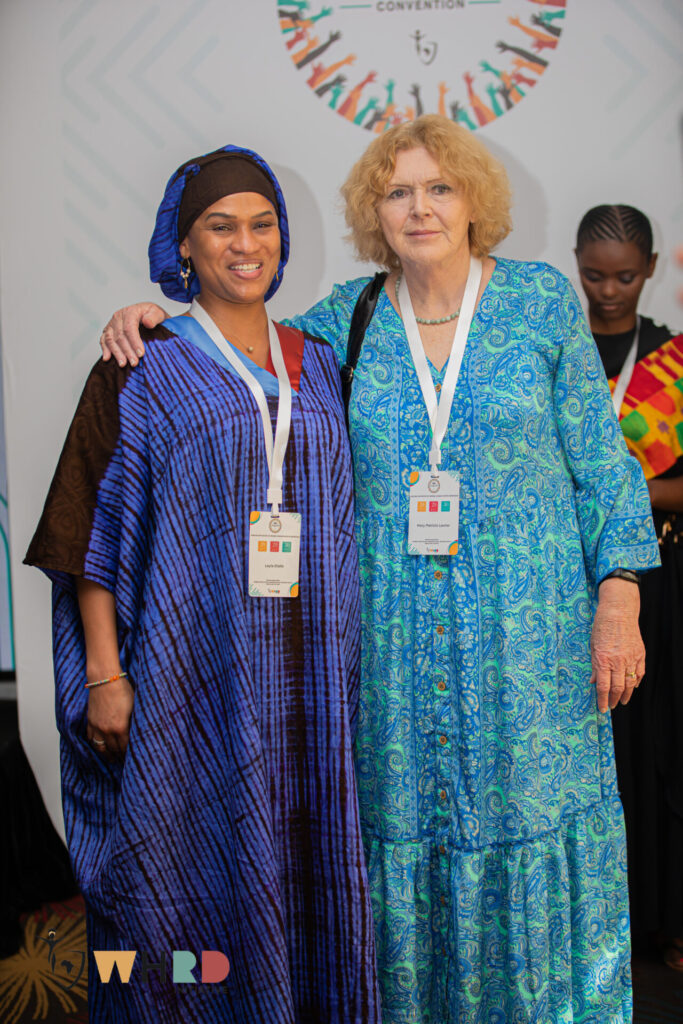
651, 413
647, 730
232, 824
492, 823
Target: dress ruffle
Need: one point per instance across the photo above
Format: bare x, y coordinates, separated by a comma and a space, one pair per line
511, 933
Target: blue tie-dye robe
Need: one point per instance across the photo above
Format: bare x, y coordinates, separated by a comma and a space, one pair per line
233, 823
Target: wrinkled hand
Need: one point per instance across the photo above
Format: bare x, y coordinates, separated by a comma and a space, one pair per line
110, 708
617, 650
121, 337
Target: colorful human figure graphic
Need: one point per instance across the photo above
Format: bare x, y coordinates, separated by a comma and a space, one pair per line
459, 114
338, 87
510, 93
290, 20
316, 75
524, 54
492, 90
300, 54
538, 69
337, 82
549, 16
380, 118
482, 112
296, 39
542, 29
414, 91
367, 109
349, 107
541, 40
323, 73
521, 79
333, 37
542, 21
443, 89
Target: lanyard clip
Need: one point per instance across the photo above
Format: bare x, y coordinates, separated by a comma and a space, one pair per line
274, 499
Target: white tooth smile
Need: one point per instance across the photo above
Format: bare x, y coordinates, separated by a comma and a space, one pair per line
246, 266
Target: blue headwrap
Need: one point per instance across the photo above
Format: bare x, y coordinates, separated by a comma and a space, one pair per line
165, 261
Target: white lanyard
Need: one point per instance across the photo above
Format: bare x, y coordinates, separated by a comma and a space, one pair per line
439, 410
624, 378
275, 451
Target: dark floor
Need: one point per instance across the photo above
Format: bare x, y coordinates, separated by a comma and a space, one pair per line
657, 989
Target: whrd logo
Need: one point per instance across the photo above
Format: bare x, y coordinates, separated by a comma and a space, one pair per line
215, 966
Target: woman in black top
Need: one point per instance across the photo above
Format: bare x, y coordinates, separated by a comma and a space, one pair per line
615, 258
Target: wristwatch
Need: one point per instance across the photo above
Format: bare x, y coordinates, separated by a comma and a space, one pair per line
622, 574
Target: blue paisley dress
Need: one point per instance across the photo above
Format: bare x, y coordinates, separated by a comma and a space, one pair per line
492, 823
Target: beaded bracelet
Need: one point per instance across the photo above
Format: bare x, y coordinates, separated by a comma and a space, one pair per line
111, 679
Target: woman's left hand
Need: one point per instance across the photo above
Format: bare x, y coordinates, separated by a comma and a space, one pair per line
617, 650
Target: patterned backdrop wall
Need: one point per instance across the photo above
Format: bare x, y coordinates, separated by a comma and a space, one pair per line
101, 101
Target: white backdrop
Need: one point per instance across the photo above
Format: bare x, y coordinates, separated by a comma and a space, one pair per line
102, 99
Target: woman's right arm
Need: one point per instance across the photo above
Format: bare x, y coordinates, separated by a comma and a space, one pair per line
110, 706
328, 319
121, 337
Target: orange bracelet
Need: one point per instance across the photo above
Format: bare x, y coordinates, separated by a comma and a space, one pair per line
111, 679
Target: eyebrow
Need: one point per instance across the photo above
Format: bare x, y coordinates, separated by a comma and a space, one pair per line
233, 216
441, 180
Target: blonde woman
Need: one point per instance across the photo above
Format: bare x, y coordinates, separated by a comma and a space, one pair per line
492, 824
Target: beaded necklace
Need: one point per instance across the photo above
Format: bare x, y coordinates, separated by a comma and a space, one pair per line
422, 320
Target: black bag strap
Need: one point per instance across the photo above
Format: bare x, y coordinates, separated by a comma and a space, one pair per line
362, 315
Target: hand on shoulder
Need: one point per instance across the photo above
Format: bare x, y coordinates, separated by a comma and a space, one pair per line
121, 337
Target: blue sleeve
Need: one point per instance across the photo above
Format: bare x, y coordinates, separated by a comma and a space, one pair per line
612, 500
331, 317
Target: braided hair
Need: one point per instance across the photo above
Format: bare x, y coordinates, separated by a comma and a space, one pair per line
615, 223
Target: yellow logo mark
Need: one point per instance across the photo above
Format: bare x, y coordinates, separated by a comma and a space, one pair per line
123, 959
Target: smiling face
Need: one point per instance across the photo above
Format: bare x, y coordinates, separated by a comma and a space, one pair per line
234, 246
425, 216
612, 275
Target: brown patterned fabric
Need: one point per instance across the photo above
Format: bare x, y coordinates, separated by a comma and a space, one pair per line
63, 533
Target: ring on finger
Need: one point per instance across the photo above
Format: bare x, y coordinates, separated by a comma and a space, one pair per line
630, 675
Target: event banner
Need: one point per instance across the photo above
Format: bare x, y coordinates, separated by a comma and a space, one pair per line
378, 64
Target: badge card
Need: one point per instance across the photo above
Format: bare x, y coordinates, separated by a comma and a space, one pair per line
274, 544
434, 512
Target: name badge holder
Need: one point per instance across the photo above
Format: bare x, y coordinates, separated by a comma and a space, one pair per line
274, 536
434, 496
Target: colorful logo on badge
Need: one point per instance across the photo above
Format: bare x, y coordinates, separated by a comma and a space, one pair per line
434, 506
417, 56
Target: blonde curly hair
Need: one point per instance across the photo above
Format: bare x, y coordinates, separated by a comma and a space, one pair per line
462, 158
